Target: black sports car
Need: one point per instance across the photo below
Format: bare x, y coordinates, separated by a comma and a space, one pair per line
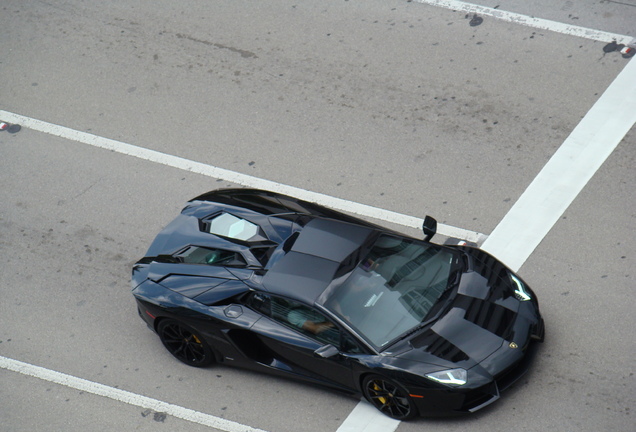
268, 282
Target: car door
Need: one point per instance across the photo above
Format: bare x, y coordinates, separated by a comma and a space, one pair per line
294, 347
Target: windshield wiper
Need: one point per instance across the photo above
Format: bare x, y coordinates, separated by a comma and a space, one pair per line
406, 334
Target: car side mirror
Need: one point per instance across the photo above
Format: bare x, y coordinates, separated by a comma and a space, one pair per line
327, 351
429, 227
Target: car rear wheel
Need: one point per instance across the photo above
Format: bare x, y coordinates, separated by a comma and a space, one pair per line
389, 397
185, 343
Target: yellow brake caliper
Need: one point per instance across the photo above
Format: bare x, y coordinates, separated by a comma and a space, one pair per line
381, 399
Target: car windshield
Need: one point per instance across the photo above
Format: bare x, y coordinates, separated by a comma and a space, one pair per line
392, 289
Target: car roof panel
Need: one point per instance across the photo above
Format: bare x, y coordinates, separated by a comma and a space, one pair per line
330, 239
300, 276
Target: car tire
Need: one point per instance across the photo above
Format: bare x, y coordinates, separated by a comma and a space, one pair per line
388, 397
185, 343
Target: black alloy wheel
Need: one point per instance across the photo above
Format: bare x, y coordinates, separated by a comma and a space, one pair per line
388, 397
185, 344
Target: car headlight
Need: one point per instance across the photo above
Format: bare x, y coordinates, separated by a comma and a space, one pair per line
455, 377
520, 293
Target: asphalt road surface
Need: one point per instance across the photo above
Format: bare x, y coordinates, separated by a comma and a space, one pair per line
398, 105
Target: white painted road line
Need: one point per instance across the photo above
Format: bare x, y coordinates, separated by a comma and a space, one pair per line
235, 177
566, 173
123, 396
538, 23
366, 418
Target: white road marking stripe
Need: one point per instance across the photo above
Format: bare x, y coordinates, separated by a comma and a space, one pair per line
124, 396
538, 23
235, 177
566, 173
365, 417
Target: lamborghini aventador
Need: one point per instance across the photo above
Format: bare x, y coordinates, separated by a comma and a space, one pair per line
264, 281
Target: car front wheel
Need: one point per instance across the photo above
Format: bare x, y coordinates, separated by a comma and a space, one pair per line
389, 397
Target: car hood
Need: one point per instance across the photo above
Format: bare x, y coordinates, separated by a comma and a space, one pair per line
481, 320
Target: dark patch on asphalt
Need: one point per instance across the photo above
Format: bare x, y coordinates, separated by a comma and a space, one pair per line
11, 128
627, 51
156, 416
610, 47
475, 20
243, 53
